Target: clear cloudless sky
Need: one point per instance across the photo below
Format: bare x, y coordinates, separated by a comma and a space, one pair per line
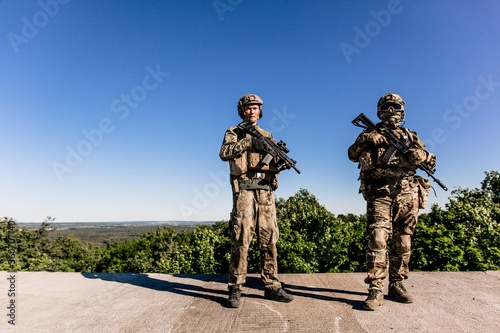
116, 110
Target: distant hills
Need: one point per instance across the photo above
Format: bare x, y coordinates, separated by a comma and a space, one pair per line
102, 233
105, 224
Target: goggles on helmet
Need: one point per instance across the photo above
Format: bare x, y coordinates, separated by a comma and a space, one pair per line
395, 106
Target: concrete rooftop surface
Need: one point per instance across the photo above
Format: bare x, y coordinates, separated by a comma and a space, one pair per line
332, 302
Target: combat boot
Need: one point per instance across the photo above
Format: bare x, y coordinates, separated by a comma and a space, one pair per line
234, 296
278, 295
398, 292
374, 300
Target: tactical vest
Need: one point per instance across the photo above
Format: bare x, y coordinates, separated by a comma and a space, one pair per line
250, 160
247, 171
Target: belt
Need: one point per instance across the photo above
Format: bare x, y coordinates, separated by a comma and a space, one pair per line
259, 175
388, 180
257, 182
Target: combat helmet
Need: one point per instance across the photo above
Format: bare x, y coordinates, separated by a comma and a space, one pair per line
247, 100
390, 100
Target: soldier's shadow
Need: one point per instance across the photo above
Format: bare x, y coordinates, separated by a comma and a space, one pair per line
186, 289
325, 294
220, 295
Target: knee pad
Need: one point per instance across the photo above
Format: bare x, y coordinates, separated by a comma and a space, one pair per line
402, 244
378, 240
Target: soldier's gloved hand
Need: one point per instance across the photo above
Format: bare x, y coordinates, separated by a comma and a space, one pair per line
417, 156
375, 139
261, 145
431, 160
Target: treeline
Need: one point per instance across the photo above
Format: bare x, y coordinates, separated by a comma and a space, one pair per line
464, 235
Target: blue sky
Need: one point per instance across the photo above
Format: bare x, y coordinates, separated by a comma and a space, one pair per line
116, 110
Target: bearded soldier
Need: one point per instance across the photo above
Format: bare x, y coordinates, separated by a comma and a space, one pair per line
394, 195
254, 209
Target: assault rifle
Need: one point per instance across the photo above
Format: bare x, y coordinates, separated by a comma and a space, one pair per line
276, 150
395, 145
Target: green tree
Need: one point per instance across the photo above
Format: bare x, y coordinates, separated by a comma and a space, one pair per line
313, 240
466, 234
492, 183
433, 247
203, 250
343, 244
70, 254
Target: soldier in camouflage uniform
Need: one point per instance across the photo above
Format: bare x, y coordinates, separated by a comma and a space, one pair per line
394, 195
254, 209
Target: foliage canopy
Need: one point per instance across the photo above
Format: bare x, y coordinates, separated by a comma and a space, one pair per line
464, 235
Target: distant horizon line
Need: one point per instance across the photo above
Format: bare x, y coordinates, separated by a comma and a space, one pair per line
138, 221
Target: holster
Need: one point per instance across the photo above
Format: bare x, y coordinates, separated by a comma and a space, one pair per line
424, 187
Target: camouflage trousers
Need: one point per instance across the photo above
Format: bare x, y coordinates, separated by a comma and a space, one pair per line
254, 212
390, 215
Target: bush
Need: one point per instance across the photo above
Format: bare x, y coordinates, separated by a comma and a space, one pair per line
465, 235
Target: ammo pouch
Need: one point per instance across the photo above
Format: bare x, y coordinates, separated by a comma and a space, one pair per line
254, 162
362, 184
238, 165
424, 187
250, 160
254, 159
366, 161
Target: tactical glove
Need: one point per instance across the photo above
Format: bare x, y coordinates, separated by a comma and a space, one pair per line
417, 156
431, 160
375, 139
261, 145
